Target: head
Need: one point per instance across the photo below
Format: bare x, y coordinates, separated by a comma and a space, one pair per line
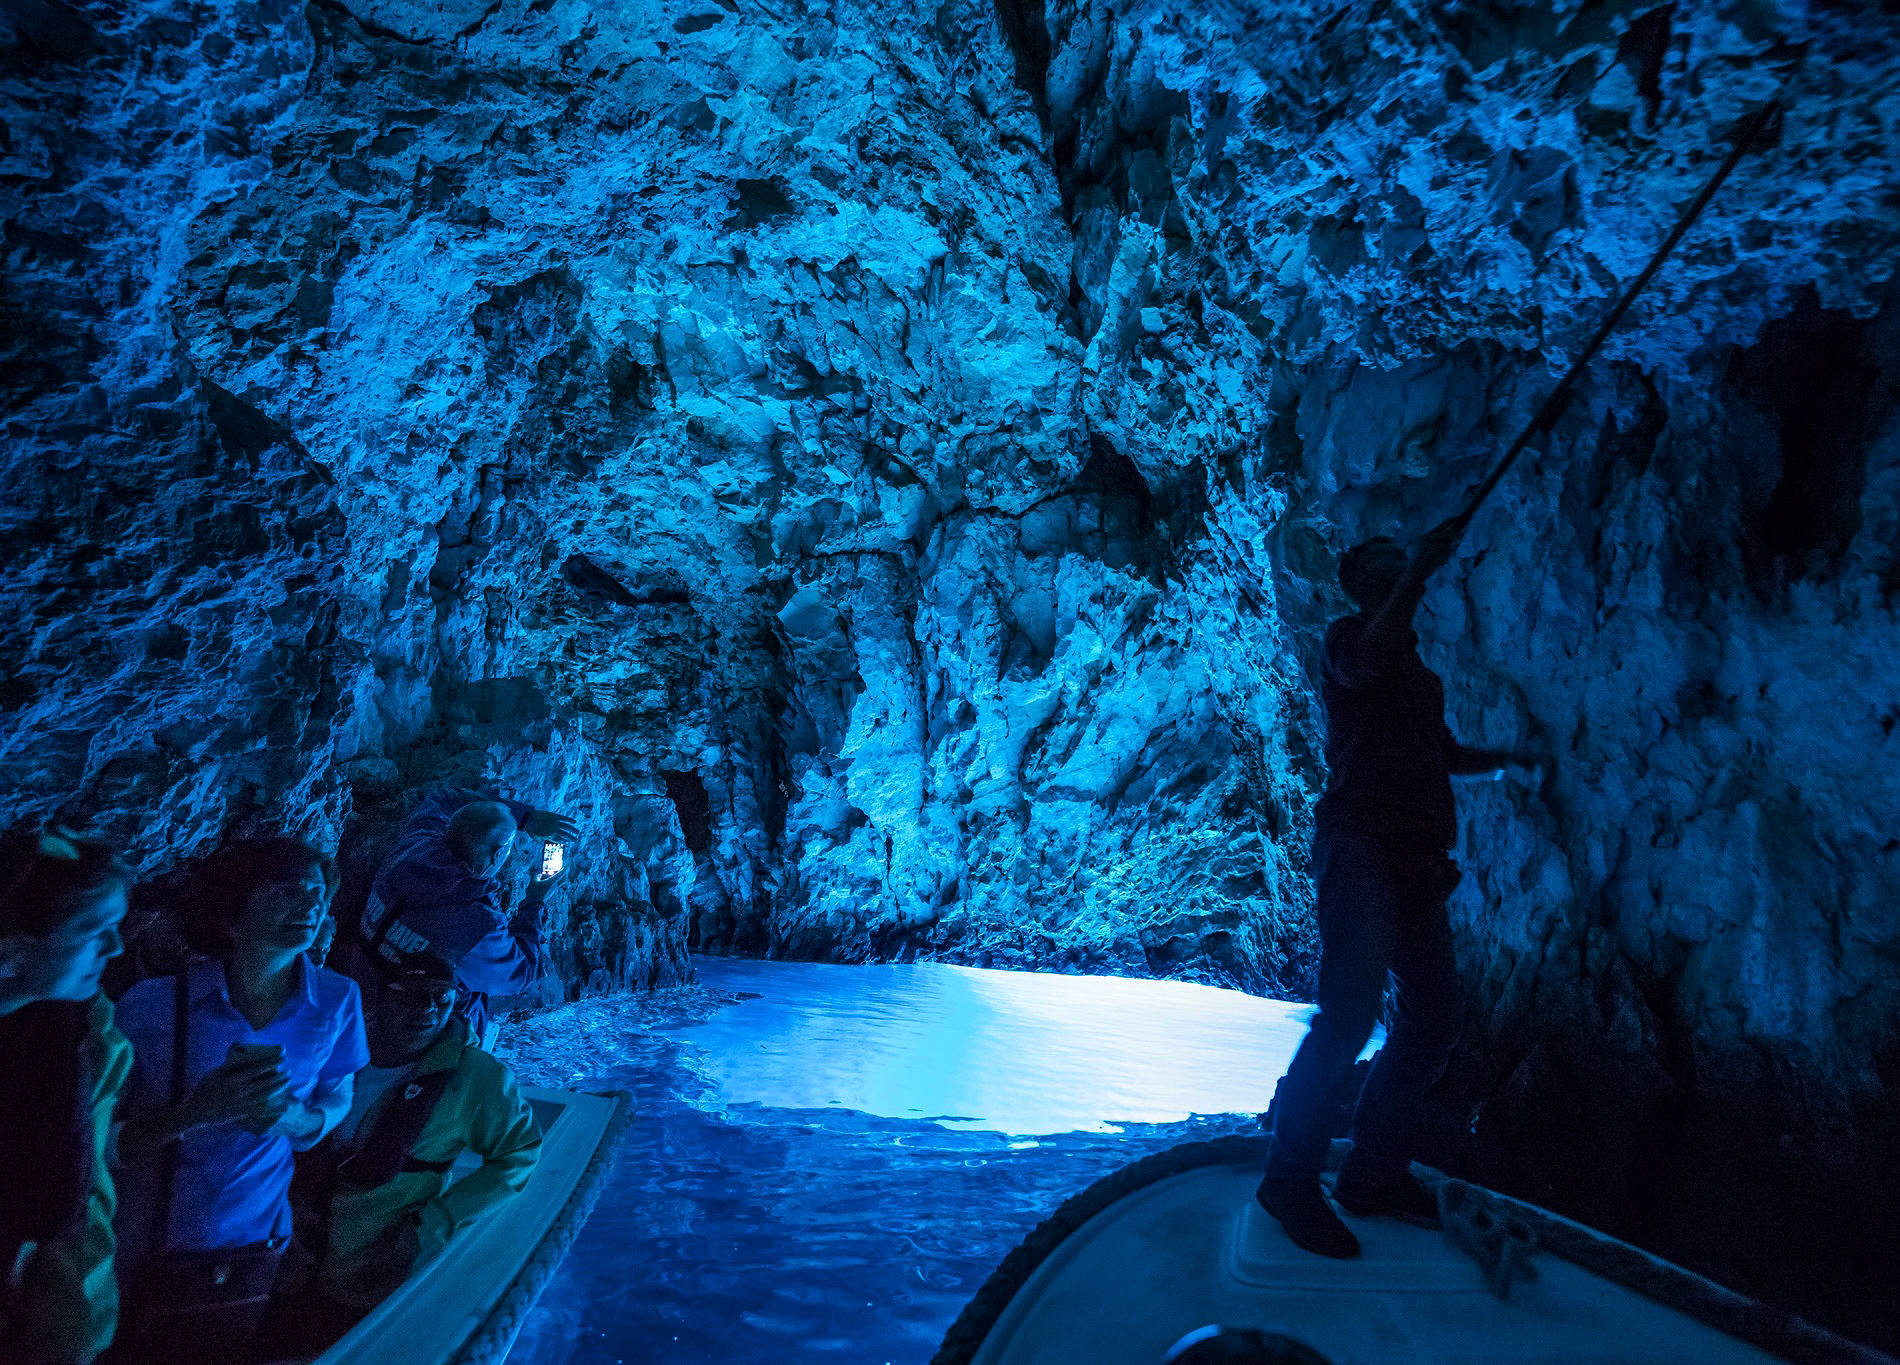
1240, 1346
62, 897
410, 1010
481, 833
1370, 570
269, 894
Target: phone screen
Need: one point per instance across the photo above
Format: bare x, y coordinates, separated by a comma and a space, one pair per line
550, 860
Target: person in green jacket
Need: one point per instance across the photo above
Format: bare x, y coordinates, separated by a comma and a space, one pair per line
384, 1200
61, 900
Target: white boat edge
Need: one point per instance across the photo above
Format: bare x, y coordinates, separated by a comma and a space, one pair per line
992, 1316
467, 1305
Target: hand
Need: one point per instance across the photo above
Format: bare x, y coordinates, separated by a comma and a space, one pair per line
252, 1091
1536, 762
550, 827
385, 1262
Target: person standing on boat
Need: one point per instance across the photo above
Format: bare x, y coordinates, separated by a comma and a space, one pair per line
439, 893
378, 1191
1382, 875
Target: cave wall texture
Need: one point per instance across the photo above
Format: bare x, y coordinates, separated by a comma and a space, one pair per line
881, 468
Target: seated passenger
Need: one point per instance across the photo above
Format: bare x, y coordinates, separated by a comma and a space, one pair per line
380, 1183
239, 1061
438, 894
61, 900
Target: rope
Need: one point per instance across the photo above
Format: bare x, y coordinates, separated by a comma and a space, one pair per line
490, 1342
1553, 404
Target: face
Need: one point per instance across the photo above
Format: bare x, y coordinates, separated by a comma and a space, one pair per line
490, 852
284, 915
66, 964
410, 1014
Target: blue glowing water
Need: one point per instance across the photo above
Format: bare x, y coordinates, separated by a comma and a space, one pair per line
830, 1170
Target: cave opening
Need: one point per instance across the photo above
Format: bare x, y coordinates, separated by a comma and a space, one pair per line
687, 791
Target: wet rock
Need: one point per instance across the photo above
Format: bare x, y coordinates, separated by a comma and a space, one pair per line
883, 472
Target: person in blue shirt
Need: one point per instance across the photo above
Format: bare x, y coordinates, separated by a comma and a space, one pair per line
439, 894
239, 1061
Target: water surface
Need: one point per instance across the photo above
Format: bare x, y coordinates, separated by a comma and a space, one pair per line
829, 1170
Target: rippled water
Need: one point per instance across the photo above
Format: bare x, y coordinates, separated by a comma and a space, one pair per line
829, 1170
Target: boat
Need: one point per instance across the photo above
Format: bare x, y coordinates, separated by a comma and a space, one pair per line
466, 1306
1143, 1258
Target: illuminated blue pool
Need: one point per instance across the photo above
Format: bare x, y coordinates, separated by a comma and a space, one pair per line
830, 1169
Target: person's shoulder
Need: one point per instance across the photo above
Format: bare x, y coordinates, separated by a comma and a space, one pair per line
148, 1000
334, 991
484, 1073
112, 1050
484, 1067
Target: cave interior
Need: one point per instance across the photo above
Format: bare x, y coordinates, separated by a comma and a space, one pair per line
882, 470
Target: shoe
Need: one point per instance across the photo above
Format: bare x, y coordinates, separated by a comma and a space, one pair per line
1400, 1196
1309, 1220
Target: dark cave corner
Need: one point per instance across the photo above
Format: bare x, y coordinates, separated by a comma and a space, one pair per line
1822, 386
688, 794
1720, 1159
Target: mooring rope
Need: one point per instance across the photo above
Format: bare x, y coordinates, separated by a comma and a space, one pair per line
490, 1342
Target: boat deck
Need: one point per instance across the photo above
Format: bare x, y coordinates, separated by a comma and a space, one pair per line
1195, 1249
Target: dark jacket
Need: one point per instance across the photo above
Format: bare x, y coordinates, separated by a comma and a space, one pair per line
480, 1110
426, 900
1388, 749
65, 1303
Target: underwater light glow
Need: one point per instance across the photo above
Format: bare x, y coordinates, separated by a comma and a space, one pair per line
974, 1048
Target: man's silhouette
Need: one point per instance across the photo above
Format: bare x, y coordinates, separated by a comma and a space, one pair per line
1382, 875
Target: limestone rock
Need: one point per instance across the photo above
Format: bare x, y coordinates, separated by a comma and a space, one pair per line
881, 468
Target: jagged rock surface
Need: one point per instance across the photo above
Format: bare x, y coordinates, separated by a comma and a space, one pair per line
881, 467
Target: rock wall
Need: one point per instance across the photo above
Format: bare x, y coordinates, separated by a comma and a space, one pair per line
881, 468
695, 400
1680, 946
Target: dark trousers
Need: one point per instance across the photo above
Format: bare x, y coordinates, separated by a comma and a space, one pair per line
1381, 911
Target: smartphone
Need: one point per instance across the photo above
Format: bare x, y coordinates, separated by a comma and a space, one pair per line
550, 861
258, 1054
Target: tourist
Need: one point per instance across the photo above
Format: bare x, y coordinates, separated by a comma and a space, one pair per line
383, 1203
61, 900
1382, 875
239, 1061
439, 893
